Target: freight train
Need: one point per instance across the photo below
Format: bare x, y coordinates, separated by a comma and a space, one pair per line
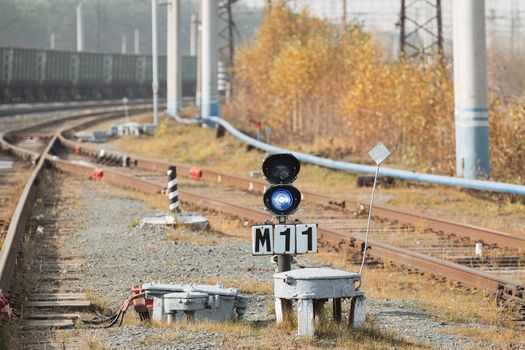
31, 75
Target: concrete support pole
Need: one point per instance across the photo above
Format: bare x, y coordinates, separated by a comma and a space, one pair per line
174, 81
305, 317
123, 48
80, 29
470, 86
155, 59
210, 37
198, 87
194, 29
136, 48
52, 41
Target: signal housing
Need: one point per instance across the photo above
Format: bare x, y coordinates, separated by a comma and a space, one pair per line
280, 170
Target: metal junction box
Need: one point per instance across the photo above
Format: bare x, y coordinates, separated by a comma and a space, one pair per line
173, 302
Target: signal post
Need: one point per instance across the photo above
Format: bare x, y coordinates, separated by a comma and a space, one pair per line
281, 198
309, 288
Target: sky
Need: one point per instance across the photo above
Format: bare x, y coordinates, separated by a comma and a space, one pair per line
383, 14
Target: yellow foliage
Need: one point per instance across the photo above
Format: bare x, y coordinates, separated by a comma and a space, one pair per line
311, 80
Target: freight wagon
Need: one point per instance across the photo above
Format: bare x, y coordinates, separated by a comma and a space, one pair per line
28, 75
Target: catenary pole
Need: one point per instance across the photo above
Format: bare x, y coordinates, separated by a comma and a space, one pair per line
174, 80
210, 99
80, 29
155, 59
470, 89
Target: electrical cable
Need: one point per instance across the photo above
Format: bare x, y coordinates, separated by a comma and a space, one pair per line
110, 321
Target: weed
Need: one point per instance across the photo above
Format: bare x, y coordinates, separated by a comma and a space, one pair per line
99, 301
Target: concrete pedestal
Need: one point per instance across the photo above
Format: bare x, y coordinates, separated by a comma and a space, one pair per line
311, 288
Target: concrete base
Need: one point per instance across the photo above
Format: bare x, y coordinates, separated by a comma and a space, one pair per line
311, 288
305, 317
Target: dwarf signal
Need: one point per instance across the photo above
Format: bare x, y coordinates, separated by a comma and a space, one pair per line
282, 198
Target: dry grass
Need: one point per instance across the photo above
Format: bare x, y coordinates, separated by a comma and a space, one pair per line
246, 336
471, 313
499, 338
9, 335
443, 300
13, 192
198, 146
93, 343
98, 300
134, 222
87, 338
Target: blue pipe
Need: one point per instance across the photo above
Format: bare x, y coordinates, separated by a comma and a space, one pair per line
367, 169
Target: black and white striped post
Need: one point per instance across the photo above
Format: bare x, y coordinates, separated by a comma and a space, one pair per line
173, 192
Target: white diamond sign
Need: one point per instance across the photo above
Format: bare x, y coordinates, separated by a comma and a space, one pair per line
379, 153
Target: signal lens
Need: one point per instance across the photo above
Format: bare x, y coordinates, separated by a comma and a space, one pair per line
282, 199
281, 168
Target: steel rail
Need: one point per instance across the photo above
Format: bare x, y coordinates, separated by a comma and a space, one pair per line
18, 222
476, 233
399, 256
506, 289
15, 232
7, 146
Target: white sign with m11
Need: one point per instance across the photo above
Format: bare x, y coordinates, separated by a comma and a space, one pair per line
284, 239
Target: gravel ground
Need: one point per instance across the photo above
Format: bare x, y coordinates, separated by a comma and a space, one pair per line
119, 254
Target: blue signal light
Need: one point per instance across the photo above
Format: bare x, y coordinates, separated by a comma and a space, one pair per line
282, 199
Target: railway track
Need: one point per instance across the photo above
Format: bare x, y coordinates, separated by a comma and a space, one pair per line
53, 298
13, 176
340, 225
425, 243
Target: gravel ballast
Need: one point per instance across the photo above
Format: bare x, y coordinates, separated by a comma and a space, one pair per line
119, 254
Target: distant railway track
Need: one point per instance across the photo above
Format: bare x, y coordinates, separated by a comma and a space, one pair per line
147, 176
8, 110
